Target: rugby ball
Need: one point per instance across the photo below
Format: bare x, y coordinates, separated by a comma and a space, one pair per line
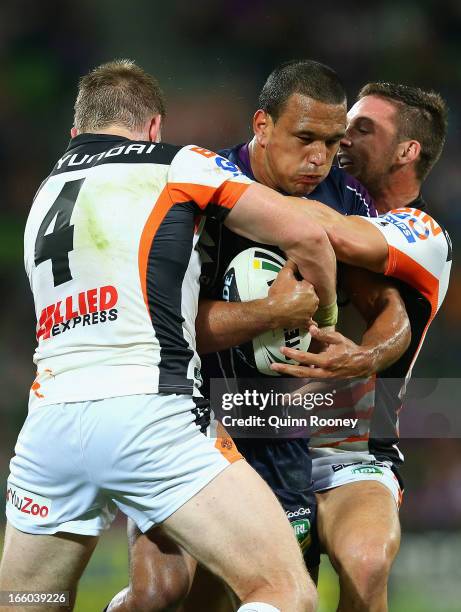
249, 277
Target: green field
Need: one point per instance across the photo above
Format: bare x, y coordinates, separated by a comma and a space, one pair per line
426, 577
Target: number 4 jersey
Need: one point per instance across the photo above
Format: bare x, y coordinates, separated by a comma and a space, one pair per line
110, 252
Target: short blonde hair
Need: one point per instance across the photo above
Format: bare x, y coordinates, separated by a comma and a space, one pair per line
117, 92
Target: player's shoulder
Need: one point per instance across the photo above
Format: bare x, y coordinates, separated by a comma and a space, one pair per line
87, 151
416, 233
422, 225
167, 150
345, 194
232, 153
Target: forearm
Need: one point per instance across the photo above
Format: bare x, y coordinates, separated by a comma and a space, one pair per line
221, 325
355, 241
387, 337
316, 262
388, 331
265, 216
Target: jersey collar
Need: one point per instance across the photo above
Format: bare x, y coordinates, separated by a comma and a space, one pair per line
243, 156
83, 139
418, 202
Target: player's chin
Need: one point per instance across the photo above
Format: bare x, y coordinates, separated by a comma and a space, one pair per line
302, 189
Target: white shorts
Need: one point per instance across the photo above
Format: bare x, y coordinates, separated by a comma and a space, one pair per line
340, 468
76, 463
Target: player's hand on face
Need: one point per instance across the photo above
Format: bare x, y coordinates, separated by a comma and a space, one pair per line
341, 359
292, 302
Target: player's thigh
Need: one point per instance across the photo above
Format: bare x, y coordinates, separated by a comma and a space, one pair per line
357, 515
286, 466
51, 563
157, 561
237, 529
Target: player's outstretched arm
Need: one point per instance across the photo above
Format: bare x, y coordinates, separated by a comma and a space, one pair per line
290, 304
264, 215
355, 241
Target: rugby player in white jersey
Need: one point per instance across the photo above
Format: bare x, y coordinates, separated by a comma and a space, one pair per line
395, 135
115, 418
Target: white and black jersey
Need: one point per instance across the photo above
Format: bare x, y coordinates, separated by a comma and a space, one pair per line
110, 252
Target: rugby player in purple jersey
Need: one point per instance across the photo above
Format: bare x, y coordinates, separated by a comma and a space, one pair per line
298, 128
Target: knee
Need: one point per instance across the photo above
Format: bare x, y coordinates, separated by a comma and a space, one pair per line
167, 592
367, 563
307, 597
294, 587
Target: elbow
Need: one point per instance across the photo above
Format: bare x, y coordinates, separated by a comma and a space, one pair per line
309, 243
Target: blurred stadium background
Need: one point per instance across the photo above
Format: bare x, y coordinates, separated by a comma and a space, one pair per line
212, 58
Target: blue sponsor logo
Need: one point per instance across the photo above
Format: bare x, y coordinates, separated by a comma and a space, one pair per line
225, 164
397, 220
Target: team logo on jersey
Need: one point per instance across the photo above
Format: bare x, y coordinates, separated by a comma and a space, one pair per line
87, 308
227, 443
302, 529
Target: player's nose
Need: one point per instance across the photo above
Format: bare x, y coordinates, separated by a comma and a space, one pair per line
318, 156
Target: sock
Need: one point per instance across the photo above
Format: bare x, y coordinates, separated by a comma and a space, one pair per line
256, 606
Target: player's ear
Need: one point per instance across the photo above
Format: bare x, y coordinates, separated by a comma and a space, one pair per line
73, 132
408, 151
155, 127
262, 126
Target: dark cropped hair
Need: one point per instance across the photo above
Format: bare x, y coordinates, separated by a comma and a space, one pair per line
421, 115
305, 77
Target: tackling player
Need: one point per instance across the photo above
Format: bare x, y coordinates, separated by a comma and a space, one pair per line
395, 135
115, 418
297, 133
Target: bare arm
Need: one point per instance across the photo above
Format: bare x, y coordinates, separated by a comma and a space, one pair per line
264, 215
387, 336
290, 304
388, 333
355, 241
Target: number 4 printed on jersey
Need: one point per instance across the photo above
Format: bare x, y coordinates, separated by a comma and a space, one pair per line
57, 244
